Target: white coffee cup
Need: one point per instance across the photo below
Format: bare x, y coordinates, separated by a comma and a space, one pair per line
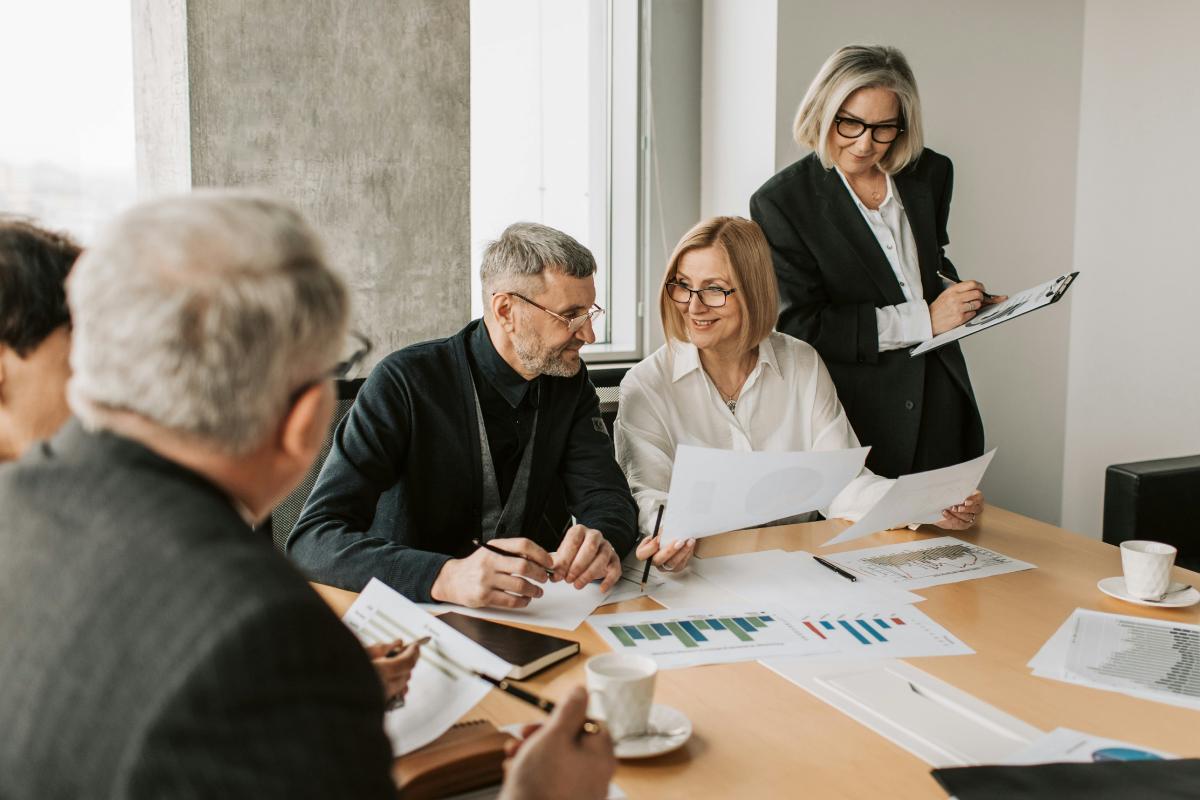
621, 691
1147, 567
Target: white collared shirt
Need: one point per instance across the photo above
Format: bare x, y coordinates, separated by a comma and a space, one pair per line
787, 404
908, 323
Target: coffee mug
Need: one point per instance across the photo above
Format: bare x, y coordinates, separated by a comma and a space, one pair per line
621, 691
1147, 567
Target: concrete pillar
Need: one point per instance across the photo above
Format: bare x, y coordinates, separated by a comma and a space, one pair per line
358, 111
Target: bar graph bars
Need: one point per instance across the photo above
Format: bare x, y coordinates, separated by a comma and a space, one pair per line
692, 632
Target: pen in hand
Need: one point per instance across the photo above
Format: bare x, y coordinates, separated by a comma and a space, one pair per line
946, 277
657, 525
835, 568
395, 651
504, 685
499, 552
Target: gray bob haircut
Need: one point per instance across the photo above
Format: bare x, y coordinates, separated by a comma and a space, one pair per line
516, 261
854, 67
202, 314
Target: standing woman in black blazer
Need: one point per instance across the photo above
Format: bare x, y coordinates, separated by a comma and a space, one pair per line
857, 232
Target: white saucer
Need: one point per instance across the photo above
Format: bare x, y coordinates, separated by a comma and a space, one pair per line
662, 718
1115, 587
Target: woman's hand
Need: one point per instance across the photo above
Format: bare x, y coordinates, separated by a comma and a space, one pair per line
958, 304
394, 671
963, 516
672, 558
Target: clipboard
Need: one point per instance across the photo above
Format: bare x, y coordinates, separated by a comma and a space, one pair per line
1017, 305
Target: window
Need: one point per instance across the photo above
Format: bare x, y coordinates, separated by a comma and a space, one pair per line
67, 141
554, 139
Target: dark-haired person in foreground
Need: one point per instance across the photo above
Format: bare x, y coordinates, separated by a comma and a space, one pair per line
470, 438
153, 645
35, 333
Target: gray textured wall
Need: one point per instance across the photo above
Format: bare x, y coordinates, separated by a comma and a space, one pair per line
359, 112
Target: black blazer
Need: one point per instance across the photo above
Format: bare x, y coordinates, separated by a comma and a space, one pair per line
833, 275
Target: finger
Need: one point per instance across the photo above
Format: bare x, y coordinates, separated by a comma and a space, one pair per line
527, 549
409, 656
594, 571
680, 559
515, 585
586, 554
950, 522
565, 554
511, 747
498, 599
529, 729
520, 566
968, 286
612, 573
647, 548
569, 715
668, 552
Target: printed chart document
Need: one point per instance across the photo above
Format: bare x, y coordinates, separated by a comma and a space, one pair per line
714, 491
1031, 299
562, 606
915, 565
1147, 658
919, 498
440, 691
1063, 745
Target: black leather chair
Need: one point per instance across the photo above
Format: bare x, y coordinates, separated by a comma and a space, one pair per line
279, 525
1157, 500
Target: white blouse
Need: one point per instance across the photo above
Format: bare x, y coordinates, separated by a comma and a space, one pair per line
788, 403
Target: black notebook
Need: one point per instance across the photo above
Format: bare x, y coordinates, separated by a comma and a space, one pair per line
527, 651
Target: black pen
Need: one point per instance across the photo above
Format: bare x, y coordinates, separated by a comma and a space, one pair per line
657, 523
946, 277
835, 568
395, 651
504, 685
500, 552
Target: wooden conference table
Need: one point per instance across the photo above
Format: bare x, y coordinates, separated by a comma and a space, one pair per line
758, 735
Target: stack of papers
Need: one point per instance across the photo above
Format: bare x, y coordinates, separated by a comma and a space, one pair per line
1063, 745
1147, 658
916, 565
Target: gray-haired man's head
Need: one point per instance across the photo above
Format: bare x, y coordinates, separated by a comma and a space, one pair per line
203, 315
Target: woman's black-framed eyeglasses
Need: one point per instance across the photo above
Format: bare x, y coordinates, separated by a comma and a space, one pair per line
573, 323
884, 133
339, 370
710, 296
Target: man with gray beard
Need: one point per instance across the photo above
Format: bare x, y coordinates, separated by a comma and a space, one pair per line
471, 438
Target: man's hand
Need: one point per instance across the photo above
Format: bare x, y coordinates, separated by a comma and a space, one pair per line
394, 672
486, 578
959, 303
962, 516
672, 558
559, 760
584, 556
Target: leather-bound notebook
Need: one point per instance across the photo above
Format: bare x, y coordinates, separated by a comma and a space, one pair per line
468, 756
527, 651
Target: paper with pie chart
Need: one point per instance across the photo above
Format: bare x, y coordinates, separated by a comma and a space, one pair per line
714, 491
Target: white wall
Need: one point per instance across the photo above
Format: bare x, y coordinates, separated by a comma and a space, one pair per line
1134, 370
737, 137
999, 85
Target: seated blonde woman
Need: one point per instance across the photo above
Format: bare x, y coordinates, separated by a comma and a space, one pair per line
725, 379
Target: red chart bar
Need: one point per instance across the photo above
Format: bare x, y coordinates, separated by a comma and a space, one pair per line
813, 628
897, 620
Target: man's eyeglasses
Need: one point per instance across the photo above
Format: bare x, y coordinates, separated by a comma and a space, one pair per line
339, 370
885, 133
711, 296
573, 323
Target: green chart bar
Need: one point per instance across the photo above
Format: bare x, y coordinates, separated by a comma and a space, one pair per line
735, 629
648, 632
681, 634
756, 622
621, 635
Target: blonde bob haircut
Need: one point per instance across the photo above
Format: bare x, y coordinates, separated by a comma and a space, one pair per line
854, 67
749, 257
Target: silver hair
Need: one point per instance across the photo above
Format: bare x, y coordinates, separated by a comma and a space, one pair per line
202, 314
516, 261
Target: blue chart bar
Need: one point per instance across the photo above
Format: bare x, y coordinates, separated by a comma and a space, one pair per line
692, 630
861, 639
827, 625
766, 619
746, 626
634, 632
716, 625
882, 624
660, 629
867, 627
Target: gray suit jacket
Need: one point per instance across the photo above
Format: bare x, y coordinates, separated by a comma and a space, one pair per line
153, 647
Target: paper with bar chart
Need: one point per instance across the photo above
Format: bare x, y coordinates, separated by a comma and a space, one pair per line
689, 637
915, 565
440, 691
1147, 658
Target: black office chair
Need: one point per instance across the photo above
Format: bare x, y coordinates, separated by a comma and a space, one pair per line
607, 381
279, 525
1157, 500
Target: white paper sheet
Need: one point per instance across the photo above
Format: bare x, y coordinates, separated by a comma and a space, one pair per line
935, 721
919, 498
439, 692
562, 606
629, 587
1016, 305
1063, 745
714, 491
1145, 658
930, 562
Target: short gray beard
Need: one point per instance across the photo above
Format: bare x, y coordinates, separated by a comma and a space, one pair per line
536, 358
